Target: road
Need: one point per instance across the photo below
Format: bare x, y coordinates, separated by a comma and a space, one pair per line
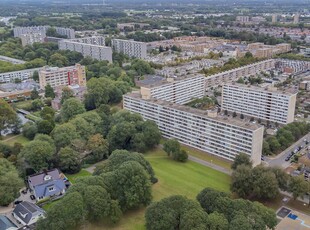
279, 160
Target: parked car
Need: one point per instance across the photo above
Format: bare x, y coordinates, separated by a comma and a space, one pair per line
18, 201
32, 197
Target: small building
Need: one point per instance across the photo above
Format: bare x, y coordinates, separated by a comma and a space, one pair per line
6, 224
47, 184
305, 85
27, 213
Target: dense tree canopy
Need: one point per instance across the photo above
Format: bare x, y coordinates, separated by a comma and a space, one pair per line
8, 116
10, 183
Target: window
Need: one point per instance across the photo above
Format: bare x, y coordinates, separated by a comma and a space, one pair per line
50, 189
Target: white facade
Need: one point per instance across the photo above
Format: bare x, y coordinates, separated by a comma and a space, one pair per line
29, 39
21, 75
55, 76
18, 31
235, 74
177, 91
266, 104
221, 136
130, 48
88, 47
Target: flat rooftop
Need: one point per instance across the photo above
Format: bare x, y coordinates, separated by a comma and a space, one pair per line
220, 118
164, 81
288, 91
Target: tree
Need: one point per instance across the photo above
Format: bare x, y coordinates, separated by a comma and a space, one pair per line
34, 94
66, 214
130, 185
58, 60
83, 128
98, 203
47, 113
36, 104
49, 91
118, 157
45, 126
240, 80
298, 186
70, 108
241, 159
171, 146
64, 134
208, 199
30, 129
69, 160
240, 222
38, 154
7, 116
35, 76
217, 221
282, 178
242, 181
234, 114
99, 148
10, 183
175, 212
265, 184
120, 135
66, 94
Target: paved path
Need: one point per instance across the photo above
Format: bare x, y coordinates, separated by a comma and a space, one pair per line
210, 165
11, 138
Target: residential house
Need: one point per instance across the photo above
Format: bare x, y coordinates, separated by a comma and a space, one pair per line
27, 213
6, 224
47, 184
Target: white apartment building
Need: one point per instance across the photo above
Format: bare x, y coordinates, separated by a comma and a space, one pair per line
292, 66
19, 31
235, 74
130, 48
242, 19
91, 47
179, 90
21, 75
54, 76
29, 39
222, 136
265, 103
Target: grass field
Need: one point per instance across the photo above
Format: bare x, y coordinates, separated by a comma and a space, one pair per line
11, 139
204, 156
73, 177
173, 178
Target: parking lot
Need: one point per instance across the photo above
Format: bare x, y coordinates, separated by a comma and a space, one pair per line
292, 220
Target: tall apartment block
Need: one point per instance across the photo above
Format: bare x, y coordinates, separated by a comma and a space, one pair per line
130, 48
29, 39
72, 75
296, 18
274, 18
179, 91
18, 31
243, 19
93, 47
267, 104
292, 66
235, 74
21, 75
219, 135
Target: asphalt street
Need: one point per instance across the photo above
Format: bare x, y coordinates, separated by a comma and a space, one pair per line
279, 160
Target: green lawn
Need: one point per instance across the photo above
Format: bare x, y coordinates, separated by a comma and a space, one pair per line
183, 178
10, 140
204, 156
173, 178
73, 177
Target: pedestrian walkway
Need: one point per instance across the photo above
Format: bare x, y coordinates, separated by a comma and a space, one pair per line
210, 165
